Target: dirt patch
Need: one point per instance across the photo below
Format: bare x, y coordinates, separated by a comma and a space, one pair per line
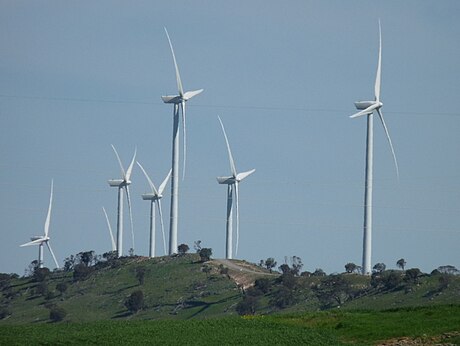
441, 340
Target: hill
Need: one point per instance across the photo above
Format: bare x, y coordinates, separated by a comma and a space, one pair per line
183, 287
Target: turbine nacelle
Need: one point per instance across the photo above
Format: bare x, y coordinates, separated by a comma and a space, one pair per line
118, 182
226, 180
177, 99
151, 197
366, 104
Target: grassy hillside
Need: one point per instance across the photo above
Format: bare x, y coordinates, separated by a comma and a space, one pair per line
174, 287
182, 287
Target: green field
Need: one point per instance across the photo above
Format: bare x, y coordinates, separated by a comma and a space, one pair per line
430, 325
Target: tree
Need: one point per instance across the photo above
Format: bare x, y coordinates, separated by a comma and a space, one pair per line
448, 269
270, 263
57, 314
135, 302
379, 268
296, 265
41, 274
263, 284
318, 272
350, 267
197, 246
86, 257
401, 263
284, 268
412, 275
392, 280
110, 256
205, 254
140, 274
81, 272
61, 287
284, 297
247, 306
333, 289
182, 248
69, 263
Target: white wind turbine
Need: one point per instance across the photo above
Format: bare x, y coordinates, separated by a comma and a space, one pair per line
155, 198
114, 246
44, 239
123, 184
368, 108
179, 102
232, 183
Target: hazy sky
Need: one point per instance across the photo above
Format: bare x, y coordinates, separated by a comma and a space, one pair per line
77, 76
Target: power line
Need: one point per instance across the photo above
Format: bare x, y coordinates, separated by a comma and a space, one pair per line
279, 108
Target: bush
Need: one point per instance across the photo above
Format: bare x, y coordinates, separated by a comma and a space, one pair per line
247, 306
61, 287
41, 274
205, 254
183, 248
135, 302
263, 284
4, 312
81, 272
57, 314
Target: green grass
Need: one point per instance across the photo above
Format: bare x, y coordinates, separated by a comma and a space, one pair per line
320, 328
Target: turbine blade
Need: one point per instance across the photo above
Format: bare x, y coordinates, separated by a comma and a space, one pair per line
34, 242
114, 247
163, 184
162, 226
152, 186
179, 83
366, 111
123, 174
184, 134
130, 214
232, 163
48, 216
379, 67
52, 254
237, 198
379, 111
241, 176
130, 168
189, 94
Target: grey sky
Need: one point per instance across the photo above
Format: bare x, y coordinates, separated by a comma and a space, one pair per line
79, 76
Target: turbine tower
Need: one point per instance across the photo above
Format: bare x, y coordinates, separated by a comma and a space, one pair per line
179, 102
232, 183
367, 108
44, 239
155, 199
123, 184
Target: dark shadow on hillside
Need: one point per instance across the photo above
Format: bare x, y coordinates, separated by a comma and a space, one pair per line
122, 314
206, 305
121, 289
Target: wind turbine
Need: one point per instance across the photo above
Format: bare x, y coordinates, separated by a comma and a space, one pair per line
179, 102
123, 184
44, 239
114, 246
232, 183
155, 198
367, 108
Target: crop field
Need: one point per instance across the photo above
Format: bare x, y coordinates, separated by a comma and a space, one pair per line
425, 325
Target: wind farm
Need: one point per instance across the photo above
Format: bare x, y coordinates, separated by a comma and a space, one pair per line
284, 98
348, 231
